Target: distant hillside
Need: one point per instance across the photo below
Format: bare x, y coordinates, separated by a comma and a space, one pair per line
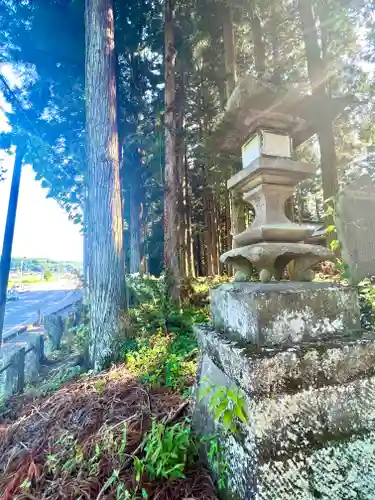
37, 265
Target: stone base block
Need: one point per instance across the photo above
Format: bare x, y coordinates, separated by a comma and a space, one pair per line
265, 371
302, 444
284, 313
341, 470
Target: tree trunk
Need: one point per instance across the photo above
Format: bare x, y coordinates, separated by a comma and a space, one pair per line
275, 20
207, 230
317, 76
228, 227
123, 200
144, 249
180, 155
214, 235
171, 234
199, 255
229, 48
135, 231
189, 240
220, 221
257, 35
105, 224
85, 252
6, 254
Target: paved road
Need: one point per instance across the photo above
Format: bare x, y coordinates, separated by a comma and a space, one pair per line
47, 298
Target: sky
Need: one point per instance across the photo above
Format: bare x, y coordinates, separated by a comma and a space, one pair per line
42, 228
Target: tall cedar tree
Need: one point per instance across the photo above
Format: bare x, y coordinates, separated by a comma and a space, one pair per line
105, 225
171, 233
318, 75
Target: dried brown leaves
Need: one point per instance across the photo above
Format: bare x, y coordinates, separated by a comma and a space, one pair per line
67, 445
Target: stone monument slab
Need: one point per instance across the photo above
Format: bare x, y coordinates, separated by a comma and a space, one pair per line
355, 222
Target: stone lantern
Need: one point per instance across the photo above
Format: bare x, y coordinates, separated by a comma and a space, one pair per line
292, 353
268, 121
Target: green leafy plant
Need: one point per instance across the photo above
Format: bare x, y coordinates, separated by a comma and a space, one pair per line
168, 450
366, 291
334, 245
227, 405
94, 461
122, 493
48, 275
25, 485
57, 380
216, 460
68, 455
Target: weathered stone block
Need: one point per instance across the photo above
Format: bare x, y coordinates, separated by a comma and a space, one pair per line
59, 323
355, 222
343, 469
292, 439
276, 313
54, 326
34, 345
12, 379
265, 371
25, 353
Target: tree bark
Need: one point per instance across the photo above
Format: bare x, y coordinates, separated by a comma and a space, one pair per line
275, 19
105, 224
85, 251
207, 230
180, 155
201, 268
171, 233
229, 48
215, 228
317, 75
259, 46
189, 240
219, 232
228, 226
135, 231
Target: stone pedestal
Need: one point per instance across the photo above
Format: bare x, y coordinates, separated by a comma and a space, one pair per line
308, 379
268, 314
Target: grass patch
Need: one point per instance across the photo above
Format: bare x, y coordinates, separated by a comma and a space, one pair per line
164, 360
164, 350
29, 280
